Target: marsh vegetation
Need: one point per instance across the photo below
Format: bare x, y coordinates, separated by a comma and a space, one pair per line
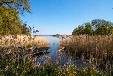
95, 51
18, 61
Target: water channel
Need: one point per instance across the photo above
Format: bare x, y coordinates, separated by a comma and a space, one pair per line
55, 54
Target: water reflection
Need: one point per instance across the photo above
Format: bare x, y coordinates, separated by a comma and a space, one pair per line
55, 54
60, 56
53, 49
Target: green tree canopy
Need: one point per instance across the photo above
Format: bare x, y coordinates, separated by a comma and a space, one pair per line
95, 27
99, 22
78, 30
88, 29
10, 22
19, 5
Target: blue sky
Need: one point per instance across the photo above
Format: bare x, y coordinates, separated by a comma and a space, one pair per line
62, 16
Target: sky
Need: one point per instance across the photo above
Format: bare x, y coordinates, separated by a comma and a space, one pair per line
63, 16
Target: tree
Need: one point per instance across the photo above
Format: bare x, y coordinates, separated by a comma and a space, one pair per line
110, 30
102, 27
10, 22
83, 29
88, 29
99, 22
78, 31
96, 27
102, 30
19, 5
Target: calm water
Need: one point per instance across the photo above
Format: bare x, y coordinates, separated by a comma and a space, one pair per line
53, 49
54, 46
57, 55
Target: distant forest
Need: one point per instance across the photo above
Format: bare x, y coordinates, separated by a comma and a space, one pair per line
95, 27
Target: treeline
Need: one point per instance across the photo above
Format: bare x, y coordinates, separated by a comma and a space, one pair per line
95, 27
10, 22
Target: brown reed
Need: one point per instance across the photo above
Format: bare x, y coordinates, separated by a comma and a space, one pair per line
96, 50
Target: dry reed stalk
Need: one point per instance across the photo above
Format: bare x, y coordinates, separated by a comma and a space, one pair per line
23, 41
97, 50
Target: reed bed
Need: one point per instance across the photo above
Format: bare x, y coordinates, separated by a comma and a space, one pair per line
16, 58
23, 41
14, 62
95, 50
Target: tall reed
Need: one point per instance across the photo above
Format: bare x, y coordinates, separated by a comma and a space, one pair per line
95, 50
